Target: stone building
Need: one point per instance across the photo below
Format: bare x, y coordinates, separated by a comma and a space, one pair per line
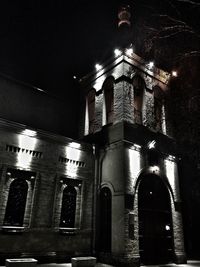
138, 216
114, 193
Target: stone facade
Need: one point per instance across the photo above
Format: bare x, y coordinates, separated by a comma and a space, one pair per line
124, 155
61, 162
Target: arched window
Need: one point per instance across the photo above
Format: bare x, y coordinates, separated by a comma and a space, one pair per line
14, 215
138, 87
91, 109
68, 210
108, 88
159, 112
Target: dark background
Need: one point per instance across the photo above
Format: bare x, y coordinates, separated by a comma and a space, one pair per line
46, 43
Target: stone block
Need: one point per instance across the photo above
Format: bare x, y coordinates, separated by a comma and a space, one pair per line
83, 262
23, 262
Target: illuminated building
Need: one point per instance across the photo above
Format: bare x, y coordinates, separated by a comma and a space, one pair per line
114, 194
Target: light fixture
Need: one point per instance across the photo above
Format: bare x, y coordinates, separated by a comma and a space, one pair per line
151, 144
75, 145
74, 77
29, 132
129, 51
167, 227
98, 66
117, 52
151, 64
174, 73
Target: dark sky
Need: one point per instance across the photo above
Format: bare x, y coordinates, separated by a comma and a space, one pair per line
46, 43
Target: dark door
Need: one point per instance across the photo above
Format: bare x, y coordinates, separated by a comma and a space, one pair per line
105, 220
155, 223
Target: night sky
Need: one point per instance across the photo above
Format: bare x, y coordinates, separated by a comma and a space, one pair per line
46, 43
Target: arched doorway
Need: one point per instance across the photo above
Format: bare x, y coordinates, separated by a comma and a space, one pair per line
105, 220
155, 221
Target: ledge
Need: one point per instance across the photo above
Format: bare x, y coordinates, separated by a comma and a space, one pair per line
68, 231
12, 229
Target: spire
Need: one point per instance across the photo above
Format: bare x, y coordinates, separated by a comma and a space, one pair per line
124, 26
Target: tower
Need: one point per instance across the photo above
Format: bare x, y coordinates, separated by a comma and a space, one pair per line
136, 197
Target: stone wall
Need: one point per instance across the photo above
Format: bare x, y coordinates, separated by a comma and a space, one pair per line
61, 158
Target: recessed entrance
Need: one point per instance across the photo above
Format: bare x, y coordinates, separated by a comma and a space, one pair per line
155, 221
105, 220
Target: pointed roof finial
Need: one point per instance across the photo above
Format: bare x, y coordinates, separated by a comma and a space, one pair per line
124, 16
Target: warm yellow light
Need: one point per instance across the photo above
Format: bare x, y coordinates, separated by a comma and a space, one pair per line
174, 73
151, 64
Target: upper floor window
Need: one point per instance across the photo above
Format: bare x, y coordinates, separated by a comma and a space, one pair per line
108, 88
138, 87
68, 210
91, 109
159, 110
68, 205
16, 203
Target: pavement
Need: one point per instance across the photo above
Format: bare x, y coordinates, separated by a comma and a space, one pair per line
190, 263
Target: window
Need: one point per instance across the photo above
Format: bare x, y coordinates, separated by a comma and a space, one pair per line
91, 109
17, 199
159, 112
108, 88
16, 203
68, 210
138, 87
67, 213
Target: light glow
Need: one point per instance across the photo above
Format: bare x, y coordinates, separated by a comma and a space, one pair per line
129, 51
29, 132
167, 227
134, 162
75, 145
117, 52
174, 73
151, 64
27, 143
98, 67
151, 144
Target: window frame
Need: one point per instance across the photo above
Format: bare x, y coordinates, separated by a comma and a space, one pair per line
7, 177
61, 184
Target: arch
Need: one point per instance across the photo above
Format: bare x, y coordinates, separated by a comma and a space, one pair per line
108, 89
68, 208
105, 220
138, 90
150, 170
159, 112
155, 221
16, 203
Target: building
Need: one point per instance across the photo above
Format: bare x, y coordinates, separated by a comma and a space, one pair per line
115, 192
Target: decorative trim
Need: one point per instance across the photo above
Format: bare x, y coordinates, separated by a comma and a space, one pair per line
71, 161
32, 153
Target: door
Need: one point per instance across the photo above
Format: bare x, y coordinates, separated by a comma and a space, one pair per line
155, 221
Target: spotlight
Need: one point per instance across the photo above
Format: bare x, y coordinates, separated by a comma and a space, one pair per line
174, 73
29, 132
98, 66
129, 51
151, 144
151, 64
117, 52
